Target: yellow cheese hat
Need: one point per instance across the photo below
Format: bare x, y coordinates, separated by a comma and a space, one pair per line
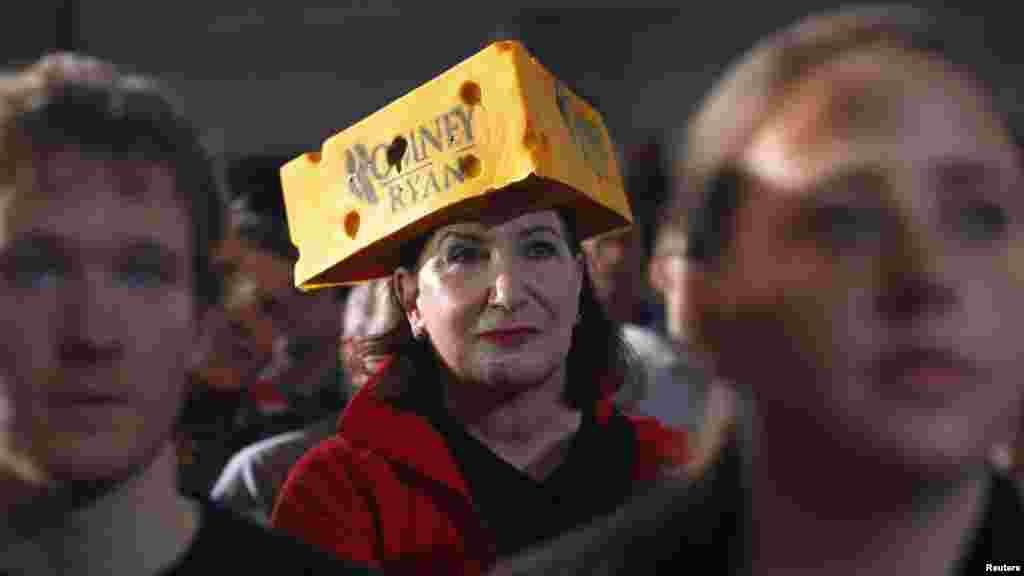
475, 137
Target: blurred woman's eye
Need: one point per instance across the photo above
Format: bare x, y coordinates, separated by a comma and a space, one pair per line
846, 226
541, 249
982, 222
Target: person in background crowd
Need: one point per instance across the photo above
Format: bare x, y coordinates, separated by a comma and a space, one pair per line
302, 381
275, 362
253, 477
109, 210
674, 389
370, 319
617, 260
682, 393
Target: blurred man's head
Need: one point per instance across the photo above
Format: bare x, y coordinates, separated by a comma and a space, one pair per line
616, 260
853, 254
271, 325
369, 315
108, 210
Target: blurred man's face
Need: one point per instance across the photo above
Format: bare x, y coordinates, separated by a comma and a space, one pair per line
369, 312
98, 309
243, 343
616, 261
871, 283
272, 323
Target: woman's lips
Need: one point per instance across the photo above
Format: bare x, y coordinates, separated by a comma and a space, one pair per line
508, 337
926, 370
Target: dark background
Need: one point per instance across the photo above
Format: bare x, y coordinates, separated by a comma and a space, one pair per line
280, 77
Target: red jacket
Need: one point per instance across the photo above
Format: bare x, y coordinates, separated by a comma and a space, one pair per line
386, 491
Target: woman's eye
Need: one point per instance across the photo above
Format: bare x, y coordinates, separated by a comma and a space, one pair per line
463, 254
847, 226
540, 250
982, 222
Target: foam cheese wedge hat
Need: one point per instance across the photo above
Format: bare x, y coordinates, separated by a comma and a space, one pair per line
481, 136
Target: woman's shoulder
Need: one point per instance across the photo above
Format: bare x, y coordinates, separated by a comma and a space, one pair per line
335, 456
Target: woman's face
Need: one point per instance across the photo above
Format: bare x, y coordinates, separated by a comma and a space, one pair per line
873, 268
498, 304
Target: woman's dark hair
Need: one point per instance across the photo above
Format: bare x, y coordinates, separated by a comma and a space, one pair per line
598, 362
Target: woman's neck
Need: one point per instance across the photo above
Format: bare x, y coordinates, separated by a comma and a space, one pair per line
141, 527
530, 430
848, 517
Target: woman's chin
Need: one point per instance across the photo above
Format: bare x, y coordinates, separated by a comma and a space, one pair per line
512, 376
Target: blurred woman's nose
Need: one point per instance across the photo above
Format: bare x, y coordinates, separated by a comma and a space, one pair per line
914, 275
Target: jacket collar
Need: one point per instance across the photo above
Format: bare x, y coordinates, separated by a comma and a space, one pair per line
401, 435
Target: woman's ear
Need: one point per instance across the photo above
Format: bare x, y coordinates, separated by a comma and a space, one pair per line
407, 289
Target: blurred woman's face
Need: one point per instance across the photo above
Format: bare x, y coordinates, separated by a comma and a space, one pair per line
873, 268
499, 303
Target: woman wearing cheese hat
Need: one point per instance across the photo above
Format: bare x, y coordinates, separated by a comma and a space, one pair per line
490, 429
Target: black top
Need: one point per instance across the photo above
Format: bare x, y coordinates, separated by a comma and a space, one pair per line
703, 527
228, 541
709, 526
594, 478
1000, 538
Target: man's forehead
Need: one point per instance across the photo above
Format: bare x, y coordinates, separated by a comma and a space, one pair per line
827, 123
61, 170
870, 112
84, 201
